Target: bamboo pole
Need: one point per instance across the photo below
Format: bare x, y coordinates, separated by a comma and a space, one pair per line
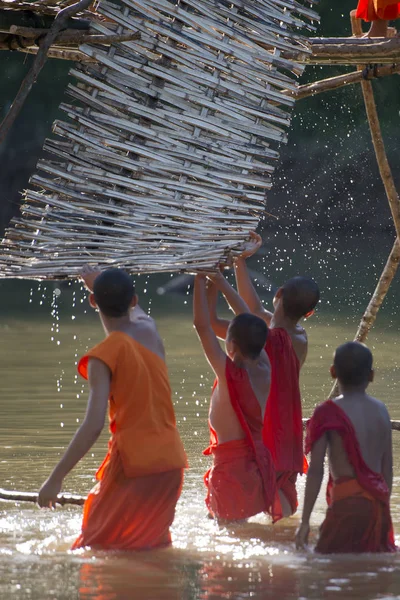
39, 62
60, 53
74, 37
62, 499
333, 83
392, 263
353, 51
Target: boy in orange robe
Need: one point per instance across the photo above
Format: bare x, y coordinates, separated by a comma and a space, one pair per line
379, 12
286, 348
356, 431
140, 480
241, 482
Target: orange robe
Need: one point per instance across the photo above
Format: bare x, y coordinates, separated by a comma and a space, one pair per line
139, 483
372, 10
241, 483
283, 425
358, 518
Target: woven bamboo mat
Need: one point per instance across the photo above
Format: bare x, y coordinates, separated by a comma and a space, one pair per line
167, 153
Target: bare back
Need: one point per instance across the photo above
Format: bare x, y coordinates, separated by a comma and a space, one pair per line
223, 418
372, 425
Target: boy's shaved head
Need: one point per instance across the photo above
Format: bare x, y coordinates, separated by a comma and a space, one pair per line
249, 333
353, 364
300, 296
113, 292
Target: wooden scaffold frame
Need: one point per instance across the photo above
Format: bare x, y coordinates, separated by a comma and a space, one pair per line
59, 33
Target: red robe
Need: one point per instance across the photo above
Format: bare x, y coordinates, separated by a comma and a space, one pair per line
241, 483
372, 10
358, 518
283, 425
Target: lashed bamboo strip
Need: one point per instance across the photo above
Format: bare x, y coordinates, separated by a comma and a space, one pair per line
169, 151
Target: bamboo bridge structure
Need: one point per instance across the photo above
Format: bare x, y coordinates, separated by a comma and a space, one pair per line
63, 31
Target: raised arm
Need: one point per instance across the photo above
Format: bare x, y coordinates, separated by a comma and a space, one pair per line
236, 303
313, 485
243, 279
219, 326
99, 381
201, 320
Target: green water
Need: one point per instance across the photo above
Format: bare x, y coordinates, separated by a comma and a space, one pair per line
42, 401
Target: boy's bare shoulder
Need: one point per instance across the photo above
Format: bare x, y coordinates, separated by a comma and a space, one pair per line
380, 407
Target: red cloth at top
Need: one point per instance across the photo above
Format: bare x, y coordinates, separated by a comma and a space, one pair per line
283, 425
328, 416
248, 412
372, 10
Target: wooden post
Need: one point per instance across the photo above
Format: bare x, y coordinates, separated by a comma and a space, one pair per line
39, 62
392, 263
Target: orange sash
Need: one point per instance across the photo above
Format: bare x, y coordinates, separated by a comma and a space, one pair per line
141, 413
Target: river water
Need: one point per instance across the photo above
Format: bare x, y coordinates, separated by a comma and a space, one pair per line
42, 401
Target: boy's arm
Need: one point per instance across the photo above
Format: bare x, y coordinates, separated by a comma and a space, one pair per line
387, 459
201, 320
236, 303
244, 283
99, 381
313, 485
88, 276
219, 326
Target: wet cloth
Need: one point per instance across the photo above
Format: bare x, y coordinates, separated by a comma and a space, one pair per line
356, 521
241, 483
286, 483
283, 425
129, 513
358, 518
142, 472
372, 10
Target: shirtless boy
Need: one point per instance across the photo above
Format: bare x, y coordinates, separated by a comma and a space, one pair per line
139, 482
356, 431
286, 348
241, 482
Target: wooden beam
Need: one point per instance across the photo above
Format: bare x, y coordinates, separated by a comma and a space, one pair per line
60, 23
34, 19
334, 83
353, 51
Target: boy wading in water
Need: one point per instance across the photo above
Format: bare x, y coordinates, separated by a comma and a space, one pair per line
286, 348
139, 483
356, 430
241, 482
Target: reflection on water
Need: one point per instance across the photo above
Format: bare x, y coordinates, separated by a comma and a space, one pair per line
42, 402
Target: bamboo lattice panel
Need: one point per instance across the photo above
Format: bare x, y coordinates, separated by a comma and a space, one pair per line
171, 140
